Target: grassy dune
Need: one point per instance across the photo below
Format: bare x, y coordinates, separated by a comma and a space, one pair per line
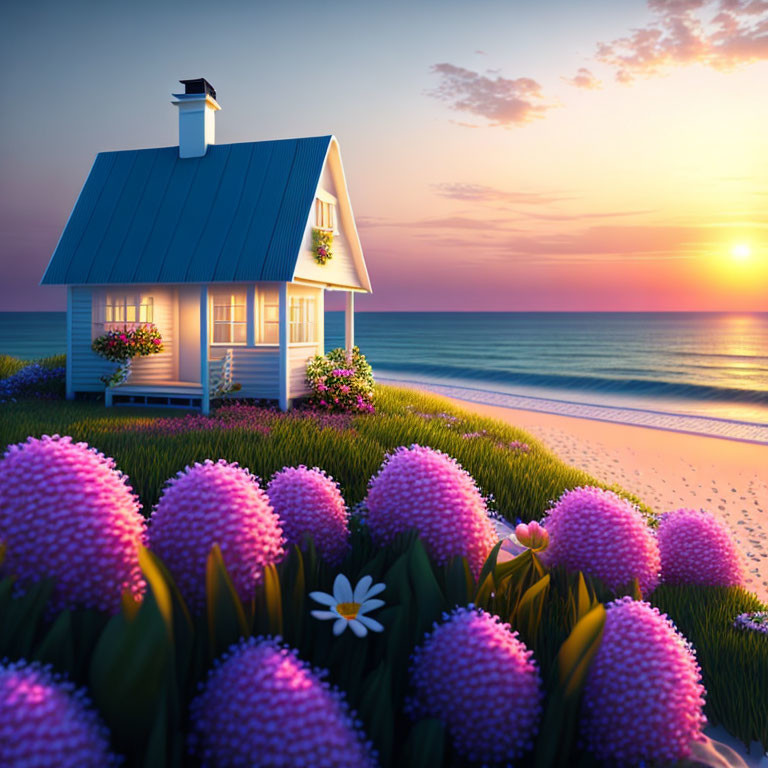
522, 482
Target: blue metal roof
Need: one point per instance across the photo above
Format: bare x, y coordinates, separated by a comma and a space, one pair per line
149, 216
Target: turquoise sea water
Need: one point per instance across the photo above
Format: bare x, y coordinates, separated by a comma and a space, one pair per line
713, 364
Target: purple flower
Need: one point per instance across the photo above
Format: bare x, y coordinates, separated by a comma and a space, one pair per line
421, 489
472, 669
757, 621
696, 548
603, 535
308, 501
262, 705
215, 503
643, 698
46, 723
67, 514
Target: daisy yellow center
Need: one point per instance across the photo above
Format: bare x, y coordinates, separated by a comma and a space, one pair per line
348, 610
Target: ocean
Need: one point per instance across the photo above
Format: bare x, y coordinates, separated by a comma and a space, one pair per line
711, 365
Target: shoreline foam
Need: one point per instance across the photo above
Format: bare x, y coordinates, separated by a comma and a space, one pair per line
703, 426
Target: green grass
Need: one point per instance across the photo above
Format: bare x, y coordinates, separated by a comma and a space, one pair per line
523, 484
734, 662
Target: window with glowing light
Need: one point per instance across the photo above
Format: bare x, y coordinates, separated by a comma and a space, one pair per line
325, 215
125, 309
229, 318
301, 320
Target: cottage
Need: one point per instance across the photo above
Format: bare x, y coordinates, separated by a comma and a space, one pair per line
216, 244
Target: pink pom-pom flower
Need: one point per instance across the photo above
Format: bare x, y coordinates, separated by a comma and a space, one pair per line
643, 699
421, 489
696, 548
480, 680
262, 705
308, 501
68, 515
215, 503
46, 723
597, 532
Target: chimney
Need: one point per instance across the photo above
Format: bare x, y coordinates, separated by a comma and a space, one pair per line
197, 113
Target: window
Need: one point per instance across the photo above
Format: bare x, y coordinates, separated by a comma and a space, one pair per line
229, 318
301, 319
122, 309
325, 215
270, 324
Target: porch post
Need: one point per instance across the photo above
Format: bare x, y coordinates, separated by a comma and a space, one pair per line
349, 322
285, 393
250, 316
205, 401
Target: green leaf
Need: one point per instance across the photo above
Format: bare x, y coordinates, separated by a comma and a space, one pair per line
376, 711
158, 566
489, 566
273, 600
57, 647
530, 608
579, 649
131, 665
22, 618
426, 744
428, 598
513, 569
226, 616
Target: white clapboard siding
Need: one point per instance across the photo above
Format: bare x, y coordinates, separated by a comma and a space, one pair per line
156, 369
257, 371
298, 357
87, 366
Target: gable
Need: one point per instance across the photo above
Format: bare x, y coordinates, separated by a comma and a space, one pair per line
347, 267
236, 214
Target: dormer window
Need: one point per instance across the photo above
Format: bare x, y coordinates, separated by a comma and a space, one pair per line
325, 215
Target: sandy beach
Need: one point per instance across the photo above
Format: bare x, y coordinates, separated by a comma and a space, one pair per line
666, 469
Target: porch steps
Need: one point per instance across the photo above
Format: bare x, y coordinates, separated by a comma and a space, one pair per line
175, 394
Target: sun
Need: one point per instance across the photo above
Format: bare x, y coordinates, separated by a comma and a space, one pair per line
741, 252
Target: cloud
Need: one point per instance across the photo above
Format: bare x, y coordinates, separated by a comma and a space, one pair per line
721, 35
584, 79
502, 101
479, 193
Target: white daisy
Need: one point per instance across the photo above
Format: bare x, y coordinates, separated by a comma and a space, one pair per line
348, 607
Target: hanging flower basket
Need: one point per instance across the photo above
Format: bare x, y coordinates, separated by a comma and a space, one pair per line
322, 242
121, 345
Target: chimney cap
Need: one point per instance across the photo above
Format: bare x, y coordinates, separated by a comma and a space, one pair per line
198, 85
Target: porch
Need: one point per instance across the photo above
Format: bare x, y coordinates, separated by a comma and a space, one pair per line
204, 365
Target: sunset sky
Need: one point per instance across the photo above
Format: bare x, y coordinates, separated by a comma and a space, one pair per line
500, 155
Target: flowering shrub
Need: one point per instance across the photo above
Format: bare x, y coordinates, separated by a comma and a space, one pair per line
421, 489
262, 705
215, 503
33, 380
643, 698
603, 535
308, 502
46, 723
696, 548
341, 381
322, 243
471, 669
67, 514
